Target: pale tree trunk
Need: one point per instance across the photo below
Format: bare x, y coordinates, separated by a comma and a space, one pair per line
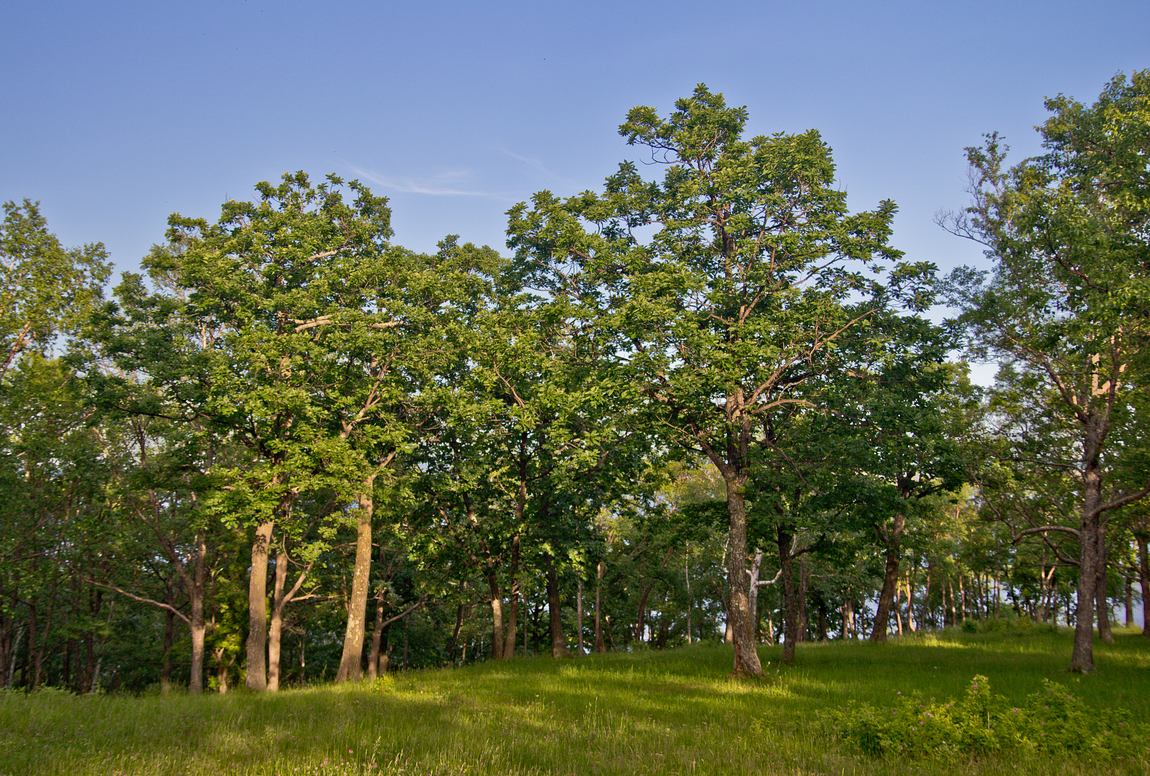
280, 600
275, 631
257, 608
753, 593
350, 664
496, 596
910, 620
197, 624
801, 598
1049, 603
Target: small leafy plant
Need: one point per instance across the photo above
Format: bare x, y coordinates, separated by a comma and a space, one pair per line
1052, 721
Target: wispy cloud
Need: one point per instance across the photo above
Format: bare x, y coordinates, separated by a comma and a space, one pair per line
535, 164
441, 185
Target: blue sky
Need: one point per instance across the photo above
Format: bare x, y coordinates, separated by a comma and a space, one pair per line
117, 114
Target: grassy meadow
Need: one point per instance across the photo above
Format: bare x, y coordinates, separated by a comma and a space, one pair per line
672, 712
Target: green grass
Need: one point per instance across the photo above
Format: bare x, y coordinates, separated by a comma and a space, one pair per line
651, 712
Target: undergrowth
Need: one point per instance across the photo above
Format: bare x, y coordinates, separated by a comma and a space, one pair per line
1052, 722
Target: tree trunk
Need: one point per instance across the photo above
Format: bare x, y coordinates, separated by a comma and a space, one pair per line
910, 620
197, 625
822, 622
752, 595
376, 641
1144, 581
258, 608
169, 638
801, 598
554, 609
579, 615
786, 546
897, 607
600, 570
1101, 596
275, 630
687, 577
1082, 655
351, 661
746, 661
889, 580
496, 619
512, 601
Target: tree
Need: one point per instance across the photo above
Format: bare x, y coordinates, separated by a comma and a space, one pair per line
1067, 303
721, 289
45, 289
51, 476
251, 341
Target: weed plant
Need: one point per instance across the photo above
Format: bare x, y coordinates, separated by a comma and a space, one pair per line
672, 712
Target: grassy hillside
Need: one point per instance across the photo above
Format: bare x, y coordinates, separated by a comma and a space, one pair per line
669, 712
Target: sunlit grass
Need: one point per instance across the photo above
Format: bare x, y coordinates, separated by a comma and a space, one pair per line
651, 712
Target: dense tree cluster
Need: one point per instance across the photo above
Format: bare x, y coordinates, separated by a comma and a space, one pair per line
701, 407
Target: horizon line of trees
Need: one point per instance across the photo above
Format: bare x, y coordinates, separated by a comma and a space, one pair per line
702, 407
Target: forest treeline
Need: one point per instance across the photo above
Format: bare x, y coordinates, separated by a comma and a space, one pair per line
702, 406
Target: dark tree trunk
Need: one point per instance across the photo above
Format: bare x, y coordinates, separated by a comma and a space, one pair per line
600, 570
1101, 595
1082, 655
512, 601
1128, 602
554, 609
169, 638
822, 624
786, 546
376, 640
891, 537
579, 615
746, 656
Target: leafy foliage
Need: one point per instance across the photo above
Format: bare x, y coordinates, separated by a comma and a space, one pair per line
1052, 721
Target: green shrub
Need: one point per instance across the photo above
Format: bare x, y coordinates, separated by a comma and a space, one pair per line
1052, 721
